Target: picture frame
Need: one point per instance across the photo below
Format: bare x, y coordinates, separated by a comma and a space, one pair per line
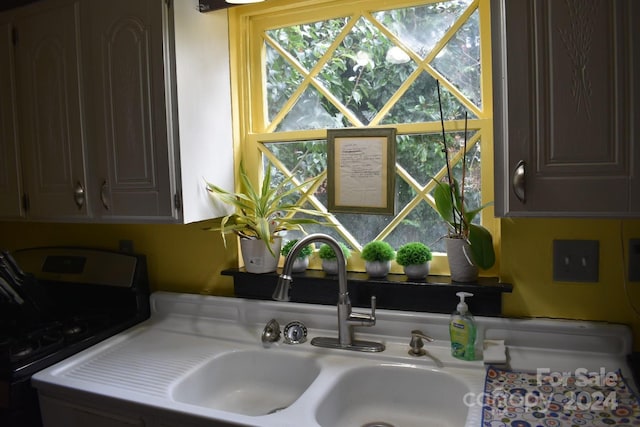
361, 165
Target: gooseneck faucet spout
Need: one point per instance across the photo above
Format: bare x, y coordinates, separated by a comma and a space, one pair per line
281, 292
346, 318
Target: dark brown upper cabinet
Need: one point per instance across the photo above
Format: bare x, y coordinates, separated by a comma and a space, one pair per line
10, 183
566, 107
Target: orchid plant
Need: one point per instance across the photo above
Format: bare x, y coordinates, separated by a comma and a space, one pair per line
450, 205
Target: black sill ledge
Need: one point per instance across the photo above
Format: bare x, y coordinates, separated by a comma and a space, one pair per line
437, 294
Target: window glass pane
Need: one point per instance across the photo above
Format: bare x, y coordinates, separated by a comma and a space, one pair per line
421, 27
312, 111
359, 74
281, 81
300, 174
308, 42
423, 224
420, 104
472, 187
363, 227
421, 155
305, 159
459, 61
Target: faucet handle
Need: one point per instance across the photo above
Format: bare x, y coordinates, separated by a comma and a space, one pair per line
416, 343
271, 332
364, 319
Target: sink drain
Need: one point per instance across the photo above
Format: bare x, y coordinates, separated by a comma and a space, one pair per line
377, 424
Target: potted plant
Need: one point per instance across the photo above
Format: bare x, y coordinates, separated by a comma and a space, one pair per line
377, 256
414, 257
261, 213
329, 259
301, 262
469, 245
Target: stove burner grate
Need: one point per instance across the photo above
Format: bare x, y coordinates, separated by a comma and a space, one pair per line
37, 342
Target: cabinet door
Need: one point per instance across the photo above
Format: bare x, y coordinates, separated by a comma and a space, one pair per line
10, 183
126, 113
49, 113
563, 106
63, 413
634, 190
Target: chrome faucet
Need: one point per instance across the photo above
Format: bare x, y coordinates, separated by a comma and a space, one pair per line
346, 318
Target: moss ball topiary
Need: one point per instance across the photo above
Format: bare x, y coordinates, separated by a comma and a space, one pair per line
413, 253
305, 252
326, 251
378, 251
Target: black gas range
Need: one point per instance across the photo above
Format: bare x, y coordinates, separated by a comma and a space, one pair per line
55, 302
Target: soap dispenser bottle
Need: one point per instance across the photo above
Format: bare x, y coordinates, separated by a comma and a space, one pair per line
462, 330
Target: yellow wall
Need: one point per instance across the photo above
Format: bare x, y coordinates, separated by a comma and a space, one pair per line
527, 263
187, 259
181, 258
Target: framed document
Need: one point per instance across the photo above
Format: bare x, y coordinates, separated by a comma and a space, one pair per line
361, 170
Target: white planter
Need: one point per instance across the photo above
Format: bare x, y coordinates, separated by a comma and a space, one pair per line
377, 268
460, 261
330, 266
300, 265
256, 255
417, 271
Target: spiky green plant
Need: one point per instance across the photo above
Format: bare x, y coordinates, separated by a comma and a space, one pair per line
262, 213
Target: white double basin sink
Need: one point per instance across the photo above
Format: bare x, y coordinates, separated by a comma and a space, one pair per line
327, 390
201, 358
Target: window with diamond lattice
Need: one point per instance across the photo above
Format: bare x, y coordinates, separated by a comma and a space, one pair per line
316, 65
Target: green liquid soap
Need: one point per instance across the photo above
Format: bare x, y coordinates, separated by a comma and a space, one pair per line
462, 330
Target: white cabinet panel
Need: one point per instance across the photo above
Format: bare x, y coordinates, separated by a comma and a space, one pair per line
203, 102
50, 121
124, 109
126, 113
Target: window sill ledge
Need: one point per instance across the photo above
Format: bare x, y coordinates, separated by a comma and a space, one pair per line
437, 294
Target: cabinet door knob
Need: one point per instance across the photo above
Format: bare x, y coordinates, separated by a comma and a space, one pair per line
104, 195
78, 195
519, 181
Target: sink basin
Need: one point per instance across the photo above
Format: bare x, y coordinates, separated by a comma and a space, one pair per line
394, 396
248, 382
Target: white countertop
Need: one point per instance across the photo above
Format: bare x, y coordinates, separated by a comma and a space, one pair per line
145, 363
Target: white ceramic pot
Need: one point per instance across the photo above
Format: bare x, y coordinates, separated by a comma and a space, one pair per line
417, 271
330, 266
377, 268
256, 255
460, 261
300, 265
